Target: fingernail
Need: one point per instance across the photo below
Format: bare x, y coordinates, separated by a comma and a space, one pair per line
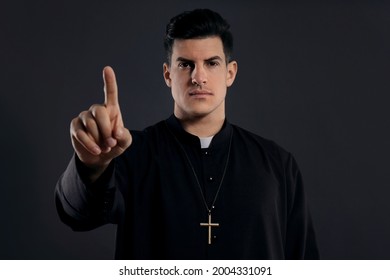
96, 150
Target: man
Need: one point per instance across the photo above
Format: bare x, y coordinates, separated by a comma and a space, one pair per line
193, 186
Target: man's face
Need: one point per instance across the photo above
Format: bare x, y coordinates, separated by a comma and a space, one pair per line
199, 77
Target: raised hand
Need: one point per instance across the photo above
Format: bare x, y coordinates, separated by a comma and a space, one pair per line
98, 134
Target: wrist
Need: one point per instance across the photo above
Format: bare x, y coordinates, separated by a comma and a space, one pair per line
89, 172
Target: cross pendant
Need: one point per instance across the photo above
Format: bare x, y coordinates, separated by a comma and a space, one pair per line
209, 224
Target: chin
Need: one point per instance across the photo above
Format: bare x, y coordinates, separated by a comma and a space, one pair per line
201, 113
199, 110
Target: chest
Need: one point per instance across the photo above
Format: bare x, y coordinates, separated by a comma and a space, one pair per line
241, 182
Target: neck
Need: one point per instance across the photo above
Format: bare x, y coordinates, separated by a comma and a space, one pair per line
202, 126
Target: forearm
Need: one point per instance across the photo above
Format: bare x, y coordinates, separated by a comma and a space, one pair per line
81, 204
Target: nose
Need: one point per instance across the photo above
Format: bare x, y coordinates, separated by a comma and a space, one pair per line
199, 76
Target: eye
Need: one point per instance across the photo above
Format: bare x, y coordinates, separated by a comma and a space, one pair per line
185, 65
213, 63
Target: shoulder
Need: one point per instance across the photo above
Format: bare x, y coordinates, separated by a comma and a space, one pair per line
276, 157
144, 145
147, 140
148, 132
254, 141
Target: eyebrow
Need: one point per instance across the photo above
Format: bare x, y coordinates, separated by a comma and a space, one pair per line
216, 57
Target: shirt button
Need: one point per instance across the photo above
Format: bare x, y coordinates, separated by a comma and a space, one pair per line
211, 179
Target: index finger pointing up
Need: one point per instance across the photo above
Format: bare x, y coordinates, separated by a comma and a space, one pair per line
110, 87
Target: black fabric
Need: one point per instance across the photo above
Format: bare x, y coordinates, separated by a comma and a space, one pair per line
151, 193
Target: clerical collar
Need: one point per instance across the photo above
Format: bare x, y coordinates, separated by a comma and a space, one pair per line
219, 140
205, 142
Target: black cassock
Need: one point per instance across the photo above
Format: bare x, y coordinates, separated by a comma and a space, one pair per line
152, 193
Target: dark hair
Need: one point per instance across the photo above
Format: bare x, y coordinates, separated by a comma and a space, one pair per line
199, 23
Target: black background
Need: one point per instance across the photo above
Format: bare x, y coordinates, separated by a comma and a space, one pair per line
312, 76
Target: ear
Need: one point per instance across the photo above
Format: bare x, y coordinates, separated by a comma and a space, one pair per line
167, 74
232, 69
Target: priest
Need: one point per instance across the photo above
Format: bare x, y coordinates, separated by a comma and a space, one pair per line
192, 186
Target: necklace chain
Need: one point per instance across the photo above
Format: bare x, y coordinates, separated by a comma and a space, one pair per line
196, 176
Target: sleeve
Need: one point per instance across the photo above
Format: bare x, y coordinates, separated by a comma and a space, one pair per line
300, 236
82, 205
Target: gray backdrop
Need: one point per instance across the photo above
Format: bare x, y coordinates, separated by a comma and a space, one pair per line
312, 77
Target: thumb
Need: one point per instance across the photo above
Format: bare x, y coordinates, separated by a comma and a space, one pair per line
123, 137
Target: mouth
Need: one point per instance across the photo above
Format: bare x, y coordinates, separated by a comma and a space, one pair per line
200, 93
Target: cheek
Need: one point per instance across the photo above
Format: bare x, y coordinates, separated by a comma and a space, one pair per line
223, 81
179, 80
177, 91
176, 88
